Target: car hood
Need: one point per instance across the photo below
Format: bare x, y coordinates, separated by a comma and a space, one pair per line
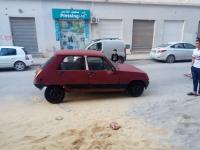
128, 68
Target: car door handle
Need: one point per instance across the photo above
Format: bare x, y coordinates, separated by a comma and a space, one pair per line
61, 72
91, 74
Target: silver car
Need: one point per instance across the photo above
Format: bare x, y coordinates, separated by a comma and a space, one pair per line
172, 52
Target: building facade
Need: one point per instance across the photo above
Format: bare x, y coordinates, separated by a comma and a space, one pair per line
47, 25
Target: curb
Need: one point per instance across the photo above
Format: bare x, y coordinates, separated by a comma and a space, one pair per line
136, 59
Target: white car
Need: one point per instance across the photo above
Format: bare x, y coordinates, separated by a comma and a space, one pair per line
15, 57
172, 52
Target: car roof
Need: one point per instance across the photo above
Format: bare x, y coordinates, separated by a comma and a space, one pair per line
11, 47
79, 52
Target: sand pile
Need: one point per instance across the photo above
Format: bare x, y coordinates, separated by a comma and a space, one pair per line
99, 136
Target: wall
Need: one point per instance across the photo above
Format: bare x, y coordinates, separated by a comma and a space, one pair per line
45, 26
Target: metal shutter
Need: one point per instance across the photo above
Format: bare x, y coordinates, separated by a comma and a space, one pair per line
142, 34
173, 31
24, 33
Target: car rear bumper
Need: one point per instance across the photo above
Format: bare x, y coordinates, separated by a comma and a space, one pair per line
157, 56
29, 62
39, 86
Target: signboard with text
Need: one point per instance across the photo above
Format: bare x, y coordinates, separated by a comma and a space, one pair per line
71, 14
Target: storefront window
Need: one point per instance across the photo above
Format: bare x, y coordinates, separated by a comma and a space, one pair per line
72, 27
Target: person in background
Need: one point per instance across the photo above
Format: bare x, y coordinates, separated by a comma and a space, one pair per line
195, 69
114, 56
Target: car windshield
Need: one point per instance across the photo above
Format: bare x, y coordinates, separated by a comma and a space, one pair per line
88, 44
164, 45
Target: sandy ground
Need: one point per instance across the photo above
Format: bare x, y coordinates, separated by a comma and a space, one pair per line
39, 125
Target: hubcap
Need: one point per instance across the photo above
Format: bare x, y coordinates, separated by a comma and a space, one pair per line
171, 59
55, 94
19, 66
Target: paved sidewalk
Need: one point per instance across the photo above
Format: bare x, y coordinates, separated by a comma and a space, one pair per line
139, 56
129, 57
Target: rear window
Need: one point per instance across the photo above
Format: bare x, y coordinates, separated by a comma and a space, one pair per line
73, 63
164, 45
25, 51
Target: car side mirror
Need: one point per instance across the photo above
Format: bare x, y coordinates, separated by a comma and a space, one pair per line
127, 46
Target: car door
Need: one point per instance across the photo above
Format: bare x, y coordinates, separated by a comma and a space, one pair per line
7, 57
189, 50
179, 51
101, 74
72, 72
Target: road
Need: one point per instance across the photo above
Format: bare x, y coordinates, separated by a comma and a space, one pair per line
163, 105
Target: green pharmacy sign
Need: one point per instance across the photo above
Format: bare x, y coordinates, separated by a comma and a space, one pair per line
71, 14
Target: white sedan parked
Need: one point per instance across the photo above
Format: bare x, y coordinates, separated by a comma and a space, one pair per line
15, 57
173, 51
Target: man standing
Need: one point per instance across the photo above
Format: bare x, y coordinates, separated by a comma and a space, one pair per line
196, 69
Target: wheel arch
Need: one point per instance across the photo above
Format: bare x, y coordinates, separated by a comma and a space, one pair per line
137, 81
171, 55
18, 61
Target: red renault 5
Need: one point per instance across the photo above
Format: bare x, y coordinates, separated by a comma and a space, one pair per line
87, 71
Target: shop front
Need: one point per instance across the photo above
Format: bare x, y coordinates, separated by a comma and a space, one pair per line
72, 27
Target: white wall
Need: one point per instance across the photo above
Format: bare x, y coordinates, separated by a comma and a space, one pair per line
45, 26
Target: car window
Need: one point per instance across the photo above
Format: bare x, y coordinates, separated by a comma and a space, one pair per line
73, 63
98, 63
96, 46
179, 45
8, 52
188, 46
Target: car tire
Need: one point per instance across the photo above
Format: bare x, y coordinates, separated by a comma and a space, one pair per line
54, 94
136, 88
170, 59
19, 66
121, 60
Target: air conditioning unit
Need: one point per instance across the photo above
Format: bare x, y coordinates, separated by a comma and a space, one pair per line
94, 20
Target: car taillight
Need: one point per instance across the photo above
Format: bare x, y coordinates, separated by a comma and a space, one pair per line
161, 50
26, 57
37, 72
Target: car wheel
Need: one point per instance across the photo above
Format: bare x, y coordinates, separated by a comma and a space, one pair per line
121, 60
54, 94
170, 59
136, 89
20, 66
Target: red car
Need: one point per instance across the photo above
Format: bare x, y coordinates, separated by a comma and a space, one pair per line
87, 71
